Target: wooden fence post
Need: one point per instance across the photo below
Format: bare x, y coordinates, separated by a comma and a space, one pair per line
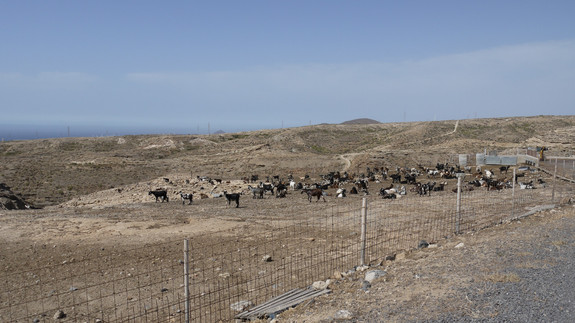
363, 229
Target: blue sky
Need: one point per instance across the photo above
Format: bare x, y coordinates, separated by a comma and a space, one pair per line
115, 67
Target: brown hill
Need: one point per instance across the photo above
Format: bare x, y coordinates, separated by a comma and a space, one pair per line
51, 171
361, 121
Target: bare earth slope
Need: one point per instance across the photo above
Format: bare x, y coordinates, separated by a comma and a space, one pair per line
51, 171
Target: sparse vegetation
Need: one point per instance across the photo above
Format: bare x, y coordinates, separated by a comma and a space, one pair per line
85, 163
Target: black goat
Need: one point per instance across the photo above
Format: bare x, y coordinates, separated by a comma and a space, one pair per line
267, 187
281, 190
318, 192
503, 169
232, 197
160, 194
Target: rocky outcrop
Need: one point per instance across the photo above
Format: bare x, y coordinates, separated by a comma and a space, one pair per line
11, 201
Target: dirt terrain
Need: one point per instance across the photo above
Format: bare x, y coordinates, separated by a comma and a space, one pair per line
90, 194
516, 272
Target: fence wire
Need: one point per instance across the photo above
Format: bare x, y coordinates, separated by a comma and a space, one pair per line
232, 270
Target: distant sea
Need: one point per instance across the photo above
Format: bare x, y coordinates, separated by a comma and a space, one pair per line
28, 132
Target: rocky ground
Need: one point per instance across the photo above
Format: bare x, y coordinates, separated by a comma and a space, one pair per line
515, 272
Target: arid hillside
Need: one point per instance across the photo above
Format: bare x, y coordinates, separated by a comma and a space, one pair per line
93, 222
52, 171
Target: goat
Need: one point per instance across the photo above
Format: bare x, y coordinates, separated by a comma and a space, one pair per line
410, 178
395, 178
387, 190
488, 174
186, 196
362, 184
267, 187
160, 194
494, 185
391, 196
257, 192
432, 173
215, 181
281, 190
441, 187
423, 189
542, 182
503, 169
232, 197
528, 185
281, 193
318, 192
340, 192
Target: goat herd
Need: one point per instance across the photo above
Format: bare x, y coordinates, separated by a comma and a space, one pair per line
401, 178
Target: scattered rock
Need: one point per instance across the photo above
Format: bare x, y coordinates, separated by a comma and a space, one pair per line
241, 305
10, 200
372, 275
422, 244
390, 258
267, 258
362, 268
365, 286
459, 245
59, 315
343, 315
320, 284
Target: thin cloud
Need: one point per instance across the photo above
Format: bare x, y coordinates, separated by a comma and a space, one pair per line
512, 77
526, 79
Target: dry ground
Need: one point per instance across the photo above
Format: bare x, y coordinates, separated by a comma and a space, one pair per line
92, 193
507, 273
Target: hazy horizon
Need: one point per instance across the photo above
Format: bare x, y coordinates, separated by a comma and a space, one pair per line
10, 132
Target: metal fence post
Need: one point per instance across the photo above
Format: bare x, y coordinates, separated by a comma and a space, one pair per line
186, 281
458, 206
554, 182
363, 229
513, 193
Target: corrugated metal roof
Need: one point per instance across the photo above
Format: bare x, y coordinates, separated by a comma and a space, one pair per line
281, 302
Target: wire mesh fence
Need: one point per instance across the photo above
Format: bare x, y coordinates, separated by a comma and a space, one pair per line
220, 274
561, 166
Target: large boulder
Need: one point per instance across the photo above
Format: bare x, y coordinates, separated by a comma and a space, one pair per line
11, 201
